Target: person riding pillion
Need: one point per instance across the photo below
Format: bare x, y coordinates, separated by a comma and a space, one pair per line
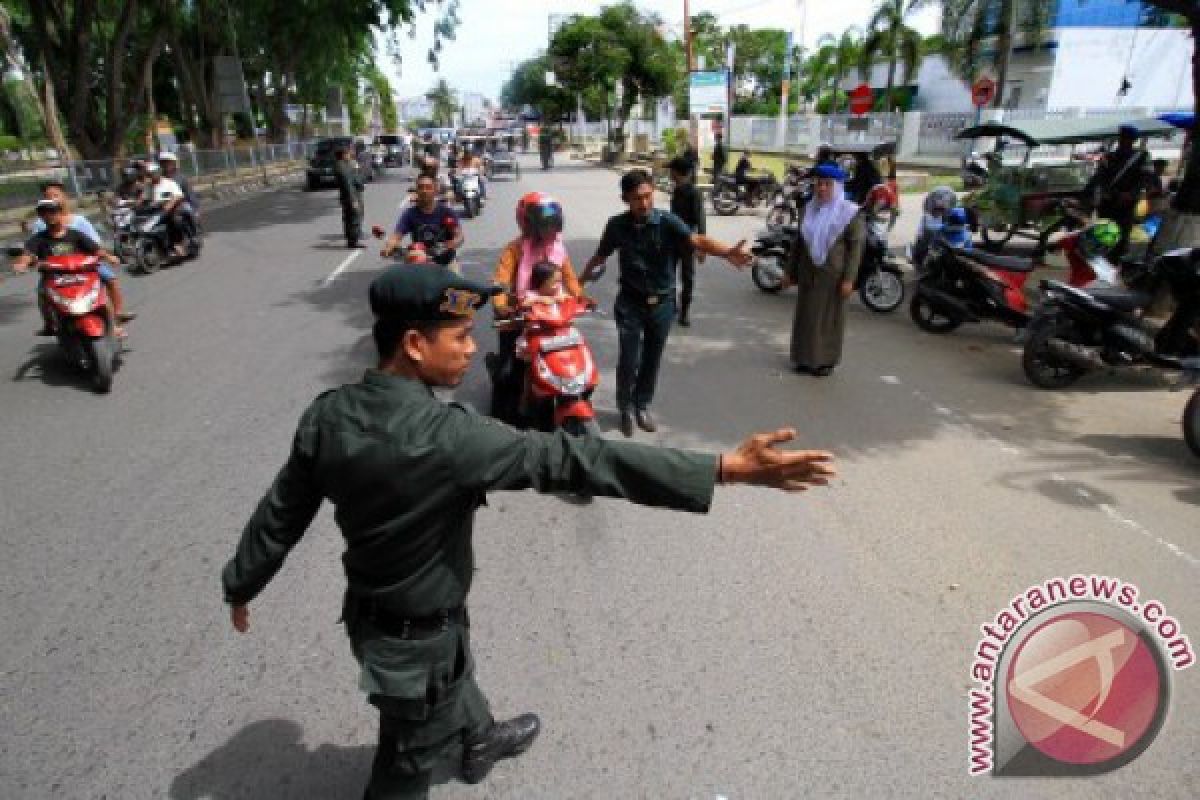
540, 222
406, 472
649, 244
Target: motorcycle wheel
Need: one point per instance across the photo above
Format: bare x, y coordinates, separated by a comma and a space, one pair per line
581, 427
103, 355
1040, 367
928, 318
725, 202
1191, 423
781, 214
883, 292
766, 275
148, 255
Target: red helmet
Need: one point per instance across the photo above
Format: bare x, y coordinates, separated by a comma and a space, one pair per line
540, 215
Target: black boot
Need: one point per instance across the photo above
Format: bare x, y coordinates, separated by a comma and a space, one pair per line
506, 739
683, 317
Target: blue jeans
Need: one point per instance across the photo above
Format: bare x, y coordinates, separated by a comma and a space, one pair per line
642, 331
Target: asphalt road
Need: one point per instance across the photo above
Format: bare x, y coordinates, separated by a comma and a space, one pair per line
778, 647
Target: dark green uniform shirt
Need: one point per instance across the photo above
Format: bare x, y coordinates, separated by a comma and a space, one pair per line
406, 472
648, 252
350, 185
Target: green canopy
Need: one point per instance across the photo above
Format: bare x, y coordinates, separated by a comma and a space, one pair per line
1066, 131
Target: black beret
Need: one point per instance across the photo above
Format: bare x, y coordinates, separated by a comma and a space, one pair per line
426, 293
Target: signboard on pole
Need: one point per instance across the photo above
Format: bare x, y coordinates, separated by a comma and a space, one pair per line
861, 99
708, 92
983, 91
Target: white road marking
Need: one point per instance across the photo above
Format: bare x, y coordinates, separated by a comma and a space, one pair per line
341, 267
892, 379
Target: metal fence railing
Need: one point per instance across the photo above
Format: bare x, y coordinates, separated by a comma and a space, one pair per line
21, 179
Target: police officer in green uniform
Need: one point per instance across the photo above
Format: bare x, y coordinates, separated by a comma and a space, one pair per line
405, 472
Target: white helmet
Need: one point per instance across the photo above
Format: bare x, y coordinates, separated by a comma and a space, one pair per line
167, 155
153, 169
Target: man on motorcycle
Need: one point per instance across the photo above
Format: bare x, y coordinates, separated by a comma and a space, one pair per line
933, 213
1115, 187
166, 193
56, 238
188, 212
429, 222
131, 186
540, 221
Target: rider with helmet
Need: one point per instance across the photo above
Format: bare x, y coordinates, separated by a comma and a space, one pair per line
540, 221
933, 213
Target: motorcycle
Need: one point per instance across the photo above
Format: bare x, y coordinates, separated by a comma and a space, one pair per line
83, 322
728, 196
1191, 417
559, 372
152, 246
120, 218
957, 285
770, 251
1081, 330
793, 195
880, 281
467, 190
975, 171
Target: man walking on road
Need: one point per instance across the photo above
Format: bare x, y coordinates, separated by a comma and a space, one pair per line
350, 195
720, 156
406, 472
650, 244
688, 204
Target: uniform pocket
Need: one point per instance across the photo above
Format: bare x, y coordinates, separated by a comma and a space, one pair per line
401, 675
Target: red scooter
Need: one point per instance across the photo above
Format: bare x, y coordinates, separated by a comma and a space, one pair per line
561, 373
83, 320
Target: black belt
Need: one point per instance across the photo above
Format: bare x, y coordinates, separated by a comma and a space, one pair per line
403, 627
650, 299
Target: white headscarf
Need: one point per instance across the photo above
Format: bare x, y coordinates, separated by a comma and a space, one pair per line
824, 222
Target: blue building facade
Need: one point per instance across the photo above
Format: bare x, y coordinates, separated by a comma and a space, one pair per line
1106, 14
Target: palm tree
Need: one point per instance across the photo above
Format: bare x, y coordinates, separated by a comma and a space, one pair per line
445, 105
969, 25
842, 56
888, 36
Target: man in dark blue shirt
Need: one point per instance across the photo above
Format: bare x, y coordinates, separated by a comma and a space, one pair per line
649, 244
430, 223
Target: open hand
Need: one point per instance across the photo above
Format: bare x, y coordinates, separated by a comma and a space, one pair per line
758, 462
740, 256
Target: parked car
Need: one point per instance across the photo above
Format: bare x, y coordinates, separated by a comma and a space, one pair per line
320, 166
393, 148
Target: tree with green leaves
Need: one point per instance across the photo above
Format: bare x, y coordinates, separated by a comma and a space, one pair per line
528, 87
833, 60
979, 33
444, 102
891, 39
621, 46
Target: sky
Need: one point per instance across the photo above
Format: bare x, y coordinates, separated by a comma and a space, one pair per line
496, 35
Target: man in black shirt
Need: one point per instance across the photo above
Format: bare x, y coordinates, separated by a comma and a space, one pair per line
649, 244
720, 156
688, 204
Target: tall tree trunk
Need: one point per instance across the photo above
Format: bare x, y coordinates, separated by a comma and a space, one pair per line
889, 105
1004, 48
1187, 199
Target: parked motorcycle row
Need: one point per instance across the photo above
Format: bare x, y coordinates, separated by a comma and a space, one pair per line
1093, 320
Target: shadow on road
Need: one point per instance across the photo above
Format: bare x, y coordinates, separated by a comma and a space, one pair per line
268, 760
48, 364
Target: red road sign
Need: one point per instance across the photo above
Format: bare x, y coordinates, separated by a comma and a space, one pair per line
861, 99
983, 92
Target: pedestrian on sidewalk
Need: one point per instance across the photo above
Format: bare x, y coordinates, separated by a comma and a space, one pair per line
824, 264
406, 472
720, 155
350, 195
688, 204
649, 243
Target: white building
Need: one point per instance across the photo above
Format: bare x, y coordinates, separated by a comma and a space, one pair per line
410, 108
474, 107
